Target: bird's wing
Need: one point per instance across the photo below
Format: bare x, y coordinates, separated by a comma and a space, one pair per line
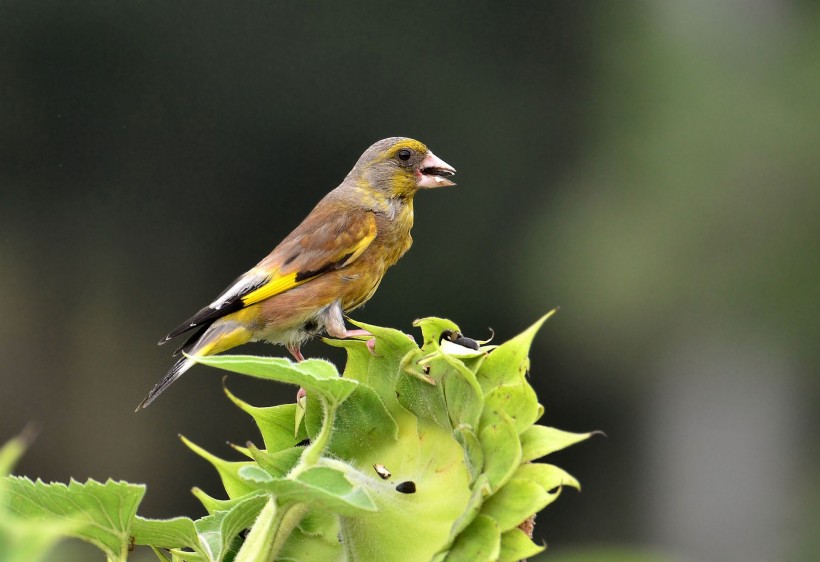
320, 244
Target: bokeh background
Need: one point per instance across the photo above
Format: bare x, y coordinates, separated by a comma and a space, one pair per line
651, 167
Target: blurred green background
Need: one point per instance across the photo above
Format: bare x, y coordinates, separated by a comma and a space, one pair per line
651, 167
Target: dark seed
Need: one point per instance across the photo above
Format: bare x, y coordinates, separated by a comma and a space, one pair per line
408, 487
466, 342
459, 339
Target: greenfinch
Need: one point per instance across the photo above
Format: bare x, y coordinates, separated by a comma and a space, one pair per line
330, 264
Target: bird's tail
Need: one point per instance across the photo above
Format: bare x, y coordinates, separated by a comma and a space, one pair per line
173, 374
214, 339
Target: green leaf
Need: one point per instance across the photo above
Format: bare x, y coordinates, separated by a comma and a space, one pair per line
509, 362
539, 441
321, 523
275, 423
102, 513
440, 388
277, 464
216, 532
377, 371
474, 363
11, 452
383, 370
515, 502
362, 423
314, 415
516, 545
358, 358
316, 375
178, 532
255, 474
389, 342
516, 401
502, 452
422, 399
228, 471
301, 547
322, 486
462, 394
548, 476
481, 490
25, 539
473, 453
431, 329
411, 364
479, 542
209, 503
180, 555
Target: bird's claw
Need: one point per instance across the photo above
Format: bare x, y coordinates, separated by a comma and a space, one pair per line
371, 347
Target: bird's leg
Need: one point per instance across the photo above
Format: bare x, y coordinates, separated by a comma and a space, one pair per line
296, 352
334, 322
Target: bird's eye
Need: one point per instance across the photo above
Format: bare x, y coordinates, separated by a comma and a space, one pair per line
404, 154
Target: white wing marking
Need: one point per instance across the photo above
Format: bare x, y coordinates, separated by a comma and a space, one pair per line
252, 280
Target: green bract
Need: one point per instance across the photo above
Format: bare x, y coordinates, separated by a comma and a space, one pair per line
412, 454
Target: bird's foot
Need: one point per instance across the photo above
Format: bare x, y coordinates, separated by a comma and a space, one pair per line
371, 343
356, 333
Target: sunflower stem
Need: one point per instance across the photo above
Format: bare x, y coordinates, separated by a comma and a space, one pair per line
313, 453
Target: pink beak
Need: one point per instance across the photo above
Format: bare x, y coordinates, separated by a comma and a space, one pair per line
434, 172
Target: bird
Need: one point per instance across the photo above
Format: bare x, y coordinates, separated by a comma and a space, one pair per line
329, 265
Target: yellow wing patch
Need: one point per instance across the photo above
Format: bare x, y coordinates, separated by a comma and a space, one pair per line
281, 283
273, 287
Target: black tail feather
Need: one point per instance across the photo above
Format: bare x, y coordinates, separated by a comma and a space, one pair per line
191, 341
173, 374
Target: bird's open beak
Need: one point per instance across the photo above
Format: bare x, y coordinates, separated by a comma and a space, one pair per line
435, 171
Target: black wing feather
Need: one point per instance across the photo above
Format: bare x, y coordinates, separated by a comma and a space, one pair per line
206, 316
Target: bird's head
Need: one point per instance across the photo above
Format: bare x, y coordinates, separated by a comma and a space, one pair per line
398, 167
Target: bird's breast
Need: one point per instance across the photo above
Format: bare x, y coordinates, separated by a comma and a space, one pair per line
393, 229
357, 283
